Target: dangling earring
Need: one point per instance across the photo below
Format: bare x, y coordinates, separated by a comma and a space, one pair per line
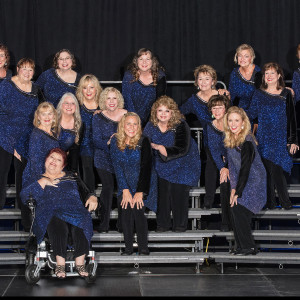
212, 116
198, 87
242, 126
5, 64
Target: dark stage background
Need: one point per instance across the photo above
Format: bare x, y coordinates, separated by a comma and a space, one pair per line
104, 34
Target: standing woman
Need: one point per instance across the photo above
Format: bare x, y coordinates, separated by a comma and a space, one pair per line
247, 178
244, 79
197, 104
88, 95
19, 98
104, 126
177, 162
5, 73
273, 105
296, 78
61, 78
218, 106
131, 156
143, 83
70, 129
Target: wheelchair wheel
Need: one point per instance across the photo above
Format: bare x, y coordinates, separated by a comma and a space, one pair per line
29, 274
91, 278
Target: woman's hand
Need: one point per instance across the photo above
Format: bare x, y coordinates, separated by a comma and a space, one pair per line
46, 181
91, 203
126, 199
294, 148
138, 200
108, 143
233, 198
162, 150
224, 92
224, 174
17, 155
98, 111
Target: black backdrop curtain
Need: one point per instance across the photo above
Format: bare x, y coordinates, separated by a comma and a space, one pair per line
104, 34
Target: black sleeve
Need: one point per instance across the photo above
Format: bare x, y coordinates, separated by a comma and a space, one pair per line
84, 192
247, 157
74, 152
257, 80
291, 120
181, 145
161, 87
145, 168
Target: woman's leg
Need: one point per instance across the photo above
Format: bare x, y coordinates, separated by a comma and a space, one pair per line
141, 226
5, 163
128, 227
271, 202
88, 175
225, 205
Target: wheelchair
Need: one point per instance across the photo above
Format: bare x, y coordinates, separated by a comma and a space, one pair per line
40, 256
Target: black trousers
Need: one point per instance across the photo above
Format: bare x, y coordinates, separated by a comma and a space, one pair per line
225, 204
19, 166
276, 177
133, 217
211, 176
175, 197
88, 175
241, 223
58, 232
106, 197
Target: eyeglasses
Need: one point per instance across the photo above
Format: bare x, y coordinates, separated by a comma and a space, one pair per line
68, 103
2, 55
64, 59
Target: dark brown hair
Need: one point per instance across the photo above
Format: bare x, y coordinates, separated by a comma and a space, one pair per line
277, 68
55, 59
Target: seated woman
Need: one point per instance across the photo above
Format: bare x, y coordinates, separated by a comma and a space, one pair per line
177, 162
61, 202
248, 178
137, 186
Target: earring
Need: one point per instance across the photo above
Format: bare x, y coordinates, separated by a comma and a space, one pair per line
212, 116
243, 127
5, 64
198, 87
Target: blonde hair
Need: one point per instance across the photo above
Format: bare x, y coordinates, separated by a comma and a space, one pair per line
121, 135
241, 48
103, 97
84, 81
168, 102
206, 69
43, 107
76, 115
230, 141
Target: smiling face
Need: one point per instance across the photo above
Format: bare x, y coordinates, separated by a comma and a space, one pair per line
163, 114
46, 118
68, 106
144, 62
89, 91
218, 111
244, 58
54, 163
205, 81
235, 123
64, 61
271, 76
2, 59
25, 73
111, 103
131, 126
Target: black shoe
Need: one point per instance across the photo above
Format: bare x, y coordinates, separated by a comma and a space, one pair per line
144, 252
234, 251
102, 231
125, 252
161, 229
243, 252
287, 207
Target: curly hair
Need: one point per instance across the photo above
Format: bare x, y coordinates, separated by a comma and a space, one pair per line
297, 51
134, 69
26, 62
168, 102
121, 135
84, 81
241, 48
278, 69
206, 69
57, 54
103, 97
41, 108
217, 100
77, 116
7, 56
61, 152
230, 141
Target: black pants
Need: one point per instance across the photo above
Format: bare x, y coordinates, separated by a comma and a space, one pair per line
58, 231
175, 197
225, 204
107, 180
241, 223
131, 217
276, 177
211, 176
88, 175
5, 164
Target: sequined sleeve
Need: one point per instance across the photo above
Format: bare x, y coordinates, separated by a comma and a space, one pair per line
41, 81
232, 87
291, 120
99, 141
127, 90
296, 85
252, 112
232, 172
161, 87
33, 189
186, 108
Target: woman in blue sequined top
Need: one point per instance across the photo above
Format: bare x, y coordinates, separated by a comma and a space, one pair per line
70, 129
143, 83
244, 79
88, 95
5, 72
218, 106
296, 78
61, 202
131, 156
19, 98
273, 105
60, 79
104, 126
205, 80
177, 162
247, 178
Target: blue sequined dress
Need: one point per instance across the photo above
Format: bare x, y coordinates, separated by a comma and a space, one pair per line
54, 87
241, 90
7, 76
64, 202
139, 97
296, 84
254, 191
276, 126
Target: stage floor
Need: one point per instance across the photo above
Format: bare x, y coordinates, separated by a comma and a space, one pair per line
158, 280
